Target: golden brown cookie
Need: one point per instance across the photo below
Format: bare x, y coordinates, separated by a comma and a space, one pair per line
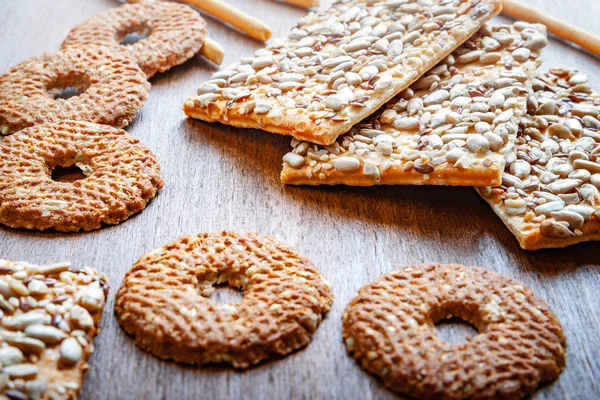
389, 327
112, 89
165, 299
121, 176
173, 33
50, 315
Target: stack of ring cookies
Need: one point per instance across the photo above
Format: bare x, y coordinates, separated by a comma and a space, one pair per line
78, 98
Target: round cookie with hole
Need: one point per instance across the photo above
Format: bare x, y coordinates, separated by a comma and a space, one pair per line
165, 300
119, 176
157, 35
92, 84
389, 327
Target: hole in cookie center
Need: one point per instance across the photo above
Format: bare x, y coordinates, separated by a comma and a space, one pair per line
223, 293
134, 34
67, 174
66, 87
455, 330
68, 92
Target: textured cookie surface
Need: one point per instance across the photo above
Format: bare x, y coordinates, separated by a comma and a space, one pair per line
454, 126
173, 33
112, 89
338, 66
389, 327
50, 315
121, 176
164, 300
549, 195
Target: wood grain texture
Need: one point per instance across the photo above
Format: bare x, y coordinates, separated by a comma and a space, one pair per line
220, 178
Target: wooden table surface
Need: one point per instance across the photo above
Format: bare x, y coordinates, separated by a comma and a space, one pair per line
217, 178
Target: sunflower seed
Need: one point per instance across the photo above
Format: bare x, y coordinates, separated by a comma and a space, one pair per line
21, 371
71, 351
477, 143
346, 164
536, 42
336, 102
574, 220
521, 54
10, 355
262, 108
294, 160
436, 97
554, 229
47, 334
563, 186
406, 123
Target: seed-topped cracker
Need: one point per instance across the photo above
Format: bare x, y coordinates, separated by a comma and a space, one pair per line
454, 126
549, 195
50, 315
338, 66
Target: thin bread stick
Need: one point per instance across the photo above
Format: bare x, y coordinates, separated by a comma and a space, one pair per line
563, 30
212, 50
303, 3
226, 13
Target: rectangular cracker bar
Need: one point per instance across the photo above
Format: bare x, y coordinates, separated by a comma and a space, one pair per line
338, 66
454, 126
50, 315
549, 194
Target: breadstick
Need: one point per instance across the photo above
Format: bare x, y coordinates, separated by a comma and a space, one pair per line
303, 3
226, 13
212, 51
563, 30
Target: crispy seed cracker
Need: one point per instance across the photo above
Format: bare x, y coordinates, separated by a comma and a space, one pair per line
338, 66
50, 316
454, 126
549, 195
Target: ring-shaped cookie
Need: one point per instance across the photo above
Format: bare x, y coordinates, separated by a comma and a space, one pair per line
121, 176
174, 33
389, 327
164, 299
112, 89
